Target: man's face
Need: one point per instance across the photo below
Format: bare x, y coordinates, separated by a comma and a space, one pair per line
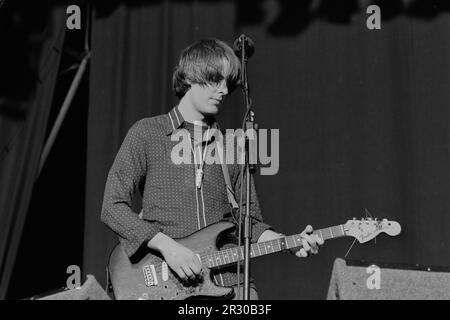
206, 99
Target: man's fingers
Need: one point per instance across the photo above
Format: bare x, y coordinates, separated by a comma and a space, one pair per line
311, 240
301, 253
196, 266
181, 274
310, 244
187, 270
319, 240
315, 249
305, 245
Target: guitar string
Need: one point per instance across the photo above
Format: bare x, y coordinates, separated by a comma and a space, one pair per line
221, 255
230, 253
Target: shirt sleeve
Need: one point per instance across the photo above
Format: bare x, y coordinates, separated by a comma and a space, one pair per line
126, 174
258, 225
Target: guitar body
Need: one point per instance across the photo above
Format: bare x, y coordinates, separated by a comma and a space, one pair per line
152, 279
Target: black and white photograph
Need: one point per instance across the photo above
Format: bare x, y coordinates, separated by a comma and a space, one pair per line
213, 152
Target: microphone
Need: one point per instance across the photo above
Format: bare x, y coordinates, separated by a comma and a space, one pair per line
244, 42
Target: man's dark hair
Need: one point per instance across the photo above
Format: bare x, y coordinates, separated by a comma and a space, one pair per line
204, 63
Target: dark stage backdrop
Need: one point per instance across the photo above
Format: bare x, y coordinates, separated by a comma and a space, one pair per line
32, 43
363, 118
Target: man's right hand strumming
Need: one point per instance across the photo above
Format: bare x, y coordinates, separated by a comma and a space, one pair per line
183, 261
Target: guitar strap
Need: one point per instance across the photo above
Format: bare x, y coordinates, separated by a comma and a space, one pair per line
230, 192
226, 175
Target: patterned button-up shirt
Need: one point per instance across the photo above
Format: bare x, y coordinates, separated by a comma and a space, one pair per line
171, 202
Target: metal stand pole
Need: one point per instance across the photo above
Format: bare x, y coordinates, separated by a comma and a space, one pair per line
62, 113
245, 49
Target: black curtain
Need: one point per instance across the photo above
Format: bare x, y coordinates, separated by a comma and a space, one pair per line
29, 67
363, 118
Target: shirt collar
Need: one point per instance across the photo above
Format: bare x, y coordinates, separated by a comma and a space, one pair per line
176, 121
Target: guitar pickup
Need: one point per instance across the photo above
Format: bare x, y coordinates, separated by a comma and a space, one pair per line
165, 271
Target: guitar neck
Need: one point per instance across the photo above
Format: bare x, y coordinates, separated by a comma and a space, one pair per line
232, 255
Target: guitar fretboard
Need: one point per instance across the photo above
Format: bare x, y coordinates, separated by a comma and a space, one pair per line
232, 255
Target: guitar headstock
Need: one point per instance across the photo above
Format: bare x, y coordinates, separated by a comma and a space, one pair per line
366, 229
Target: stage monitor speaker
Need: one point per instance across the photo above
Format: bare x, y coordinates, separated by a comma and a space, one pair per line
90, 290
353, 280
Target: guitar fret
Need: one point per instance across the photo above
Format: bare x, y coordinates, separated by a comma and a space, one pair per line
288, 242
236, 255
336, 231
211, 261
218, 258
283, 243
295, 242
228, 256
279, 244
269, 246
219, 262
231, 255
224, 256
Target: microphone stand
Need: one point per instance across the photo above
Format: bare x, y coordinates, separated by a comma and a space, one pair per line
250, 152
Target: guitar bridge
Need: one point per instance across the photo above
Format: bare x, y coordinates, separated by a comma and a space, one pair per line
150, 275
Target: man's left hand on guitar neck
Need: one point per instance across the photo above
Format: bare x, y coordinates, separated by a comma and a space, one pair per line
310, 242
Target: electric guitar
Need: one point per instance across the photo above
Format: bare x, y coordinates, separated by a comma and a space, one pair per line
152, 279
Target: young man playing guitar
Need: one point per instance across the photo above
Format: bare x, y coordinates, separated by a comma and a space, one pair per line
180, 199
